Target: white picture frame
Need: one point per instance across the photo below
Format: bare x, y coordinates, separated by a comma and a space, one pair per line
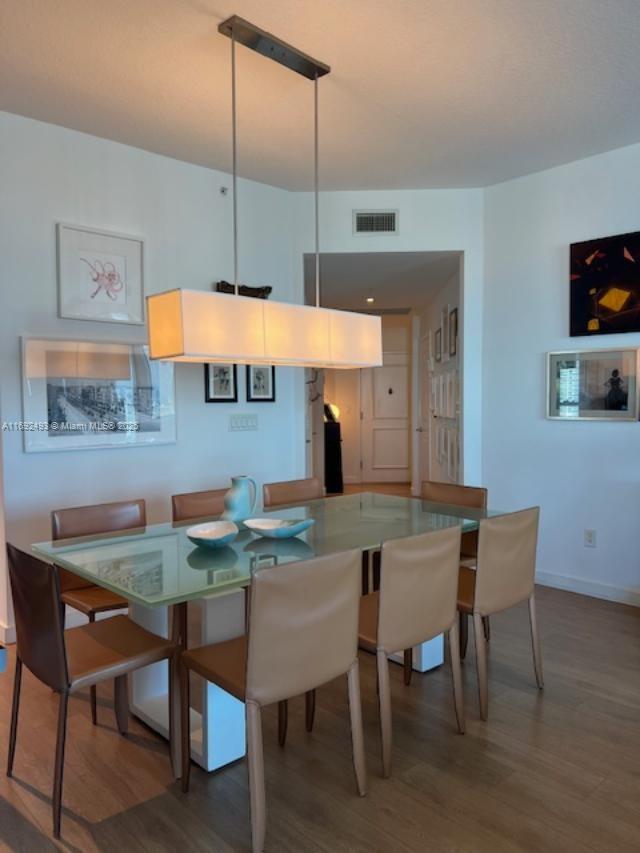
88, 395
100, 275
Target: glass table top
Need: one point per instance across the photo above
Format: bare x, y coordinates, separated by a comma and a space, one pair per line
158, 565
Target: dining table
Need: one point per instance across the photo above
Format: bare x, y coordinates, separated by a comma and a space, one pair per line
161, 573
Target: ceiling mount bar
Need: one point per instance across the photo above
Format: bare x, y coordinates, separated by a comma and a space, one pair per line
272, 47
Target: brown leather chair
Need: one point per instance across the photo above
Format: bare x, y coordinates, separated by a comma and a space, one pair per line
283, 656
192, 505
291, 492
416, 602
471, 496
77, 592
68, 661
504, 576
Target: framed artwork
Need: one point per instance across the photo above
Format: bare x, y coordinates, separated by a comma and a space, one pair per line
605, 285
593, 385
453, 332
81, 395
100, 275
261, 383
220, 383
444, 325
438, 345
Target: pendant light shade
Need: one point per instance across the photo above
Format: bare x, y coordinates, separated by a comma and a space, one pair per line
198, 326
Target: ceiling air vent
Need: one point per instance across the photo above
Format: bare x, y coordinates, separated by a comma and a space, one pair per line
375, 221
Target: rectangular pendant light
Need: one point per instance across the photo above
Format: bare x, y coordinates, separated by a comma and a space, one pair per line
199, 326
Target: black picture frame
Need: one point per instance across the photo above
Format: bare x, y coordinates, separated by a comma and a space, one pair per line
438, 345
453, 332
209, 379
270, 395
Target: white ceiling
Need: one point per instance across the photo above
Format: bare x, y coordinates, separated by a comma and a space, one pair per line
423, 93
396, 280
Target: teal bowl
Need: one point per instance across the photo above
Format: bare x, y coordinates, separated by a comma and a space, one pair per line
279, 528
212, 534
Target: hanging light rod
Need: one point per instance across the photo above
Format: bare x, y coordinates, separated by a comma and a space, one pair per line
273, 48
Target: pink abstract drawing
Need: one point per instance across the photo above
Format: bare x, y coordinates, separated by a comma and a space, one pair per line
106, 277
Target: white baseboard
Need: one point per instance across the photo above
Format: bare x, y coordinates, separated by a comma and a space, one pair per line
594, 589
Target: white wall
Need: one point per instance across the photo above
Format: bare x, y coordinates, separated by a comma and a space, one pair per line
49, 174
584, 475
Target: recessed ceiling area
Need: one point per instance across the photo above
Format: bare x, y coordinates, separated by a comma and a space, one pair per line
423, 93
397, 281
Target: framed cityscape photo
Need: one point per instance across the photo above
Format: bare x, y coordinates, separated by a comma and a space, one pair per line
438, 345
100, 275
261, 383
453, 332
82, 395
220, 383
593, 385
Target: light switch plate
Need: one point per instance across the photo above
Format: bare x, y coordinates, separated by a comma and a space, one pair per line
243, 423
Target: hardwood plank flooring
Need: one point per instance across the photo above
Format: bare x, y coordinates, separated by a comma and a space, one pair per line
557, 770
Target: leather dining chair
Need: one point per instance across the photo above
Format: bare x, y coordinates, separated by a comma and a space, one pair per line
504, 577
68, 661
416, 602
303, 632
282, 494
77, 592
476, 498
192, 505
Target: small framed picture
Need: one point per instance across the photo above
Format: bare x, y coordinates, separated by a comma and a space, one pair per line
261, 383
438, 345
596, 385
220, 383
444, 325
453, 332
100, 275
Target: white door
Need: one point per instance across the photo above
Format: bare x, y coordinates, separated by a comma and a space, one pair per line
424, 425
385, 420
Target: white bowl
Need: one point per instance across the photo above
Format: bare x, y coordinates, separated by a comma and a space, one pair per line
278, 528
213, 534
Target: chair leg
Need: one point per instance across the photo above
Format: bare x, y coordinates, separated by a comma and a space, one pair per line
384, 702
481, 665
357, 737
93, 691
535, 642
408, 666
121, 703
464, 633
59, 765
15, 707
185, 726
309, 709
456, 674
255, 761
487, 628
283, 721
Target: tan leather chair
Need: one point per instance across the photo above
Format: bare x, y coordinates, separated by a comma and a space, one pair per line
416, 602
291, 492
192, 505
68, 661
282, 494
77, 592
471, 496
504, 576
303, 632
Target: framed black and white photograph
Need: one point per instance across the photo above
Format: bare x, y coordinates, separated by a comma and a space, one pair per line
220, 383
261, 383
438, 345
444, 326
81, 395
593, 385
100, 275
453, 332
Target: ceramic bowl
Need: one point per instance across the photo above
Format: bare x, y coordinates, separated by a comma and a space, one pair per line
278, 528
213, 534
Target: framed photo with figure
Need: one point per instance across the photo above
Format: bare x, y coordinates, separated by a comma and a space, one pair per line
261, 383
594, 385
220, 383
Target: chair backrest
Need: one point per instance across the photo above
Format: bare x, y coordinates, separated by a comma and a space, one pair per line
303, 625
197, 504
506, 567
39, 627
93, 520
291, 491
451, 493
418, 588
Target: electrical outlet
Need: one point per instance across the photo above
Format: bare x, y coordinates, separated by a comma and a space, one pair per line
243, 423
589, 538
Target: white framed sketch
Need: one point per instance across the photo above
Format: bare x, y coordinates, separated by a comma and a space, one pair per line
100, 275
83, 395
